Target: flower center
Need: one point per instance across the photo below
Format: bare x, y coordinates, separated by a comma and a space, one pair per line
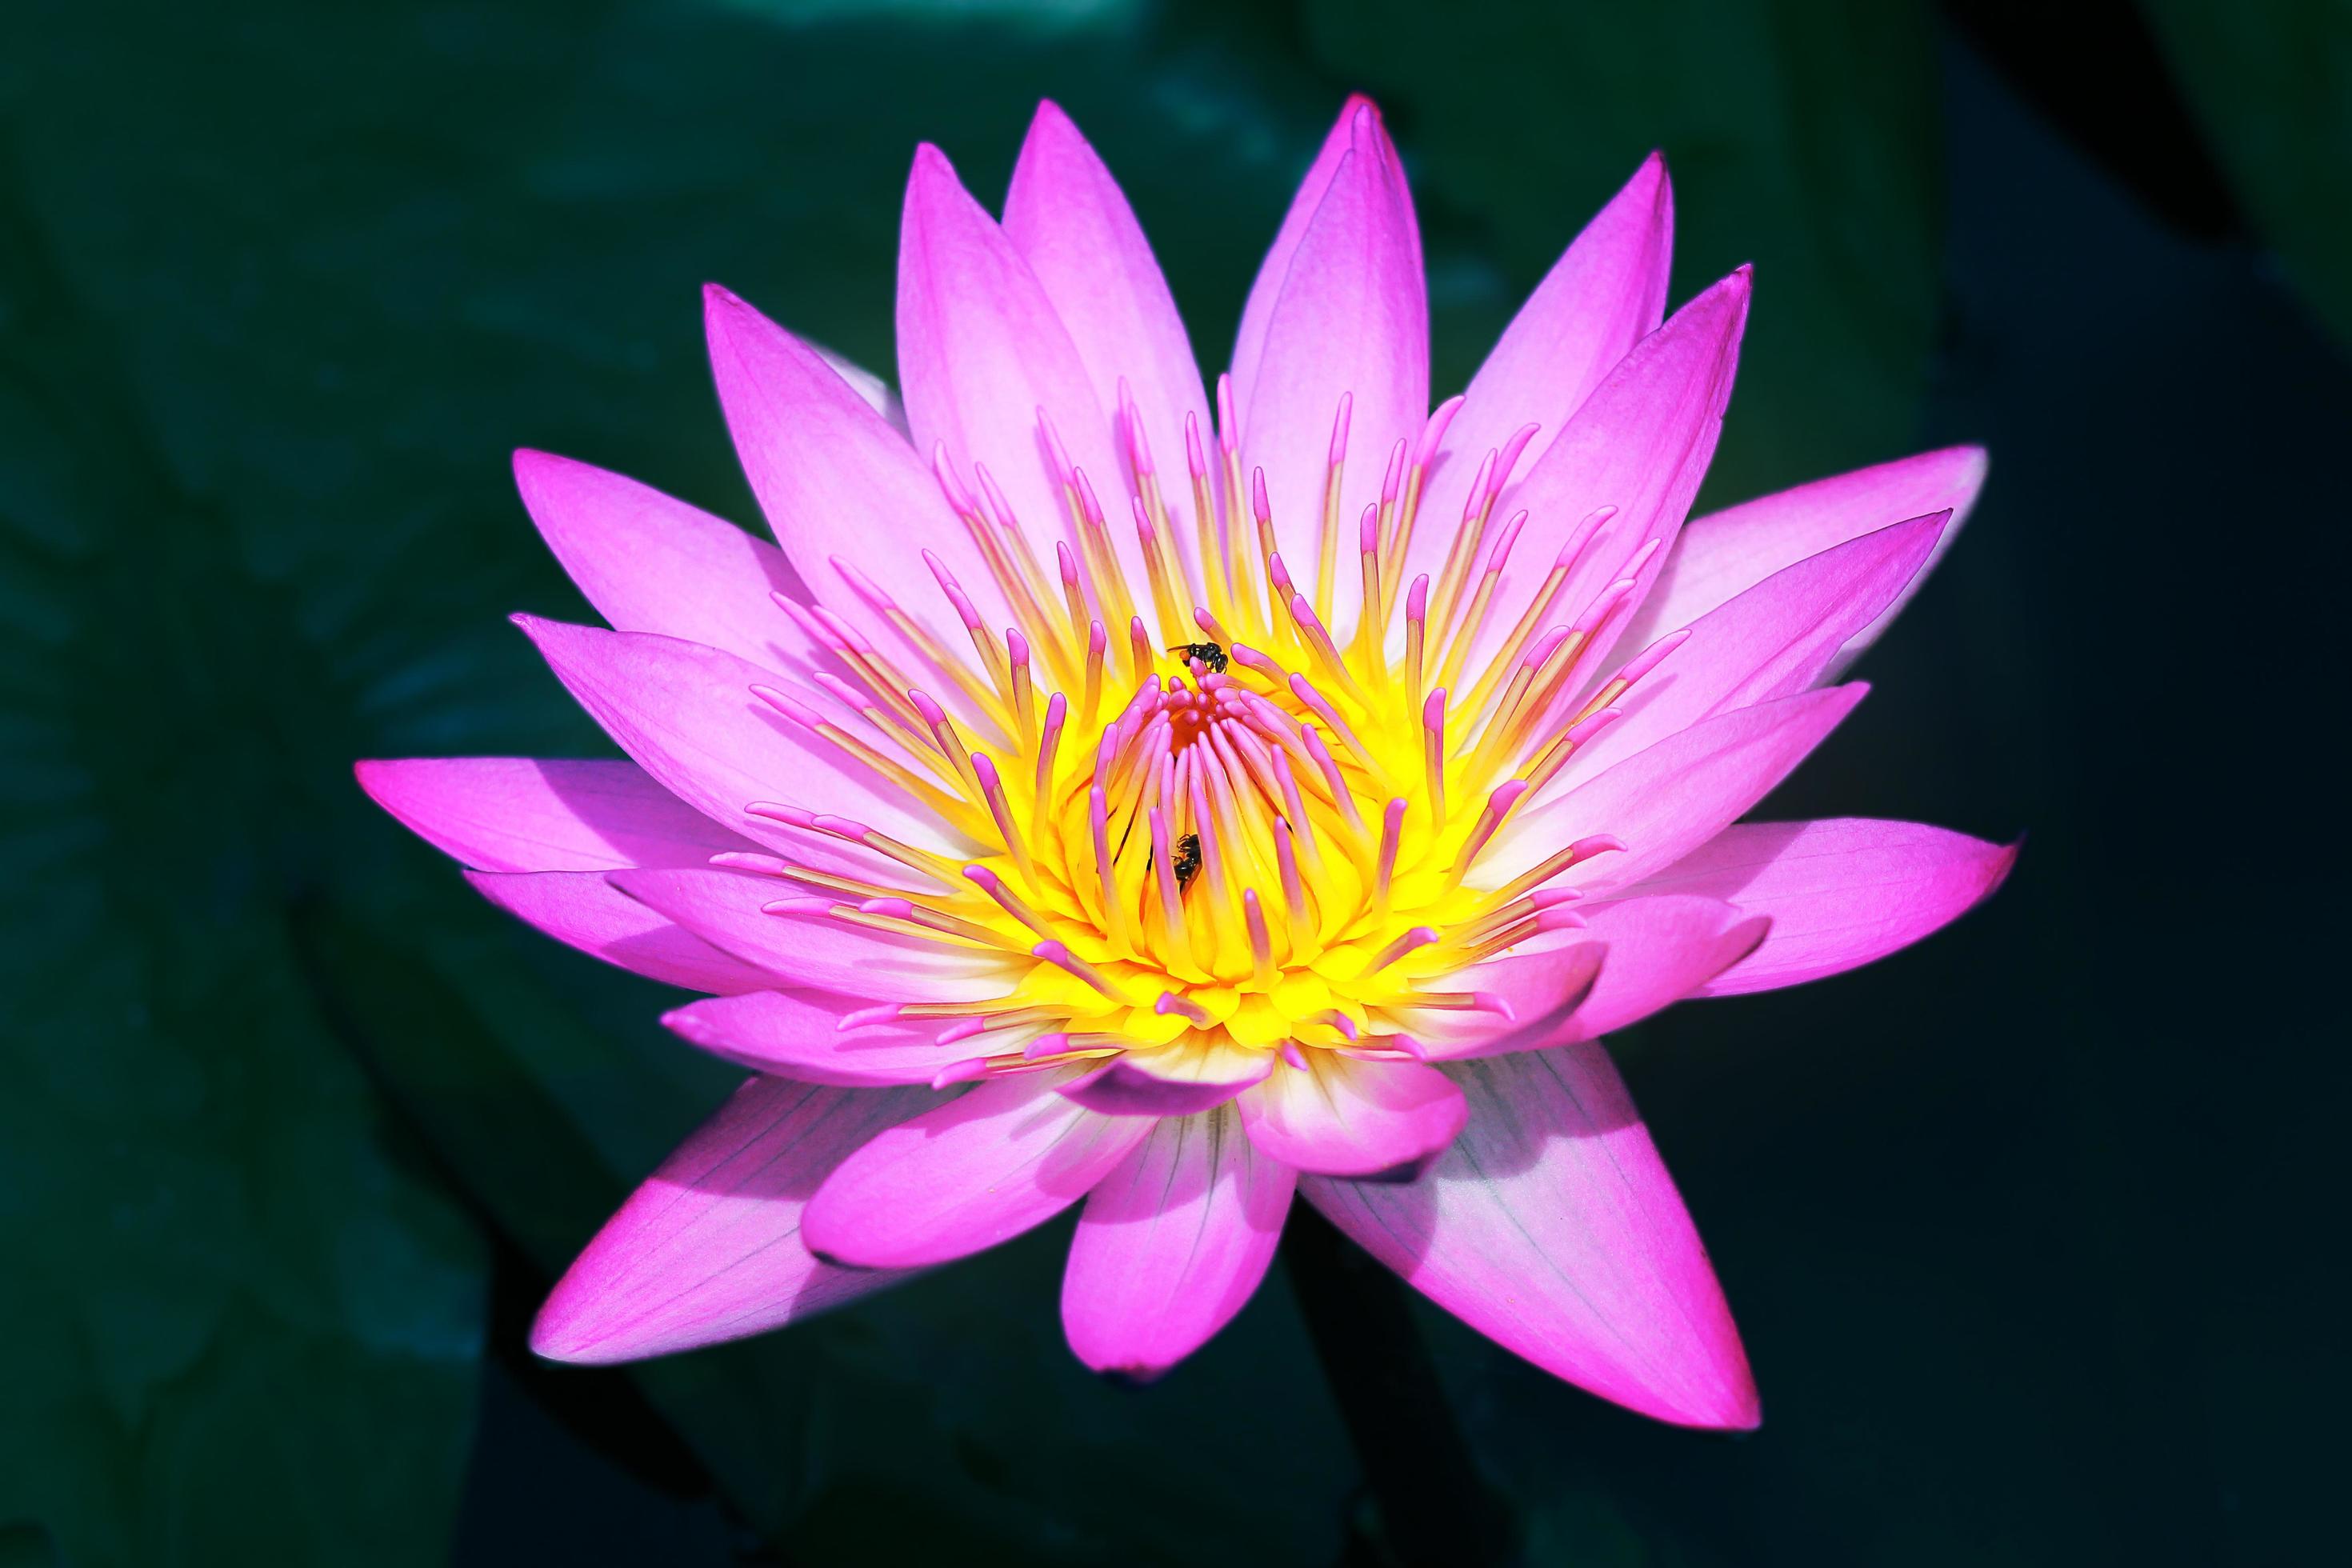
1273, 841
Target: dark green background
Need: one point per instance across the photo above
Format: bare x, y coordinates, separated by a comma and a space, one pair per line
2033, 1232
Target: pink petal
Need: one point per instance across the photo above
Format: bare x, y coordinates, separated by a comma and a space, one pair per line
687, 714
1775, 640
805, 947
1666, 802
1724, 553
1067, 216
1605, 294
982, 349
834, 477
580, 909
1660, 950
1008, 1155
1552, 1227
1353, 318
525, 813
1179, 1079
871, 389
649, 563
1640, 444
1381, 1121
1171, 1245
1656, 952
1537, 987
1257, 313
709, 1248
799, 1036
1841, 892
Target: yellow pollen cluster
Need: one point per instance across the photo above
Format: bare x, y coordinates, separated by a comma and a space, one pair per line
1232, 826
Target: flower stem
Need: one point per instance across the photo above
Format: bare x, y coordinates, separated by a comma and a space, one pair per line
1434, 1507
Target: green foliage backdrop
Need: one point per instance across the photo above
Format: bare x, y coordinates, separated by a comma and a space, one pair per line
281, 285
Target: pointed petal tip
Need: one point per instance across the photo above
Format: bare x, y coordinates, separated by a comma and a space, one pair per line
1727, 296
1736, 1410
1717, 1394
575, 1325
529, 460
719, 302
559, 1334
930, 166
1711, 1390
548, 1341
380, 780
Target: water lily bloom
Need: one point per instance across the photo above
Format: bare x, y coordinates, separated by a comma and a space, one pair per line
1102, 794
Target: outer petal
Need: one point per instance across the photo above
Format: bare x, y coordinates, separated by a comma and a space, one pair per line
1171, 1244
1841, 892
1724, 553
1380, 1120
649, 563
687, 715
982, 350
580, 909
1774, 640
1656, 951
527, 813
1257, 312
1640, 444
1605, 294
1067, 216
1666, 802
800, 1036
1352, 318
709, 1248
1008, 1155
834, 477
1552, 1227
793, 940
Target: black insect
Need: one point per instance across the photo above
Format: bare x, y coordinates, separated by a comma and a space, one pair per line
1210, 655
1188, 860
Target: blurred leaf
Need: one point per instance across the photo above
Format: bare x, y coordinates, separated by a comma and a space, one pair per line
1800, 137
236, 1327
2272, 81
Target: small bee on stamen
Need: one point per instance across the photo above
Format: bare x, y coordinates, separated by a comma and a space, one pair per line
1188, 860
1210, 655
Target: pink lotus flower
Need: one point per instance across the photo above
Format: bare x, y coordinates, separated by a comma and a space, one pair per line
1050, 822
